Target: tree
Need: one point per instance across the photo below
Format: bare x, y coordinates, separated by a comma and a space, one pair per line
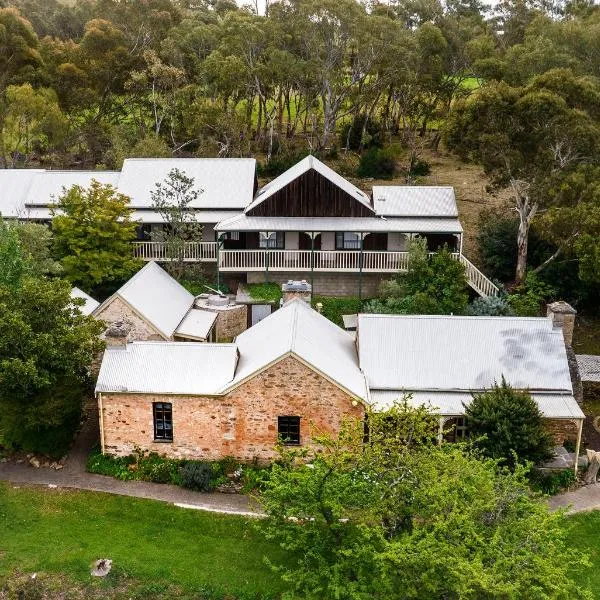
174, 199
35, 243
46, 348
93, 232
525, 137
401, 517
508, 425
434, 284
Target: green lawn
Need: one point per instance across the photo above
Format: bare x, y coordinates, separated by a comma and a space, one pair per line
584, 537
204, 555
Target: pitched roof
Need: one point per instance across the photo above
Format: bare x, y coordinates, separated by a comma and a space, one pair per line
14, 185
156, 297
415, 201
226, 182
306, 164
196, 324
167, 368
552, 406
89, 306
299, 330
589, 367
243, 222
445, 353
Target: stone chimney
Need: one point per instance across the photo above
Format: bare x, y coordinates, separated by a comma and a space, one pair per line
117, 334
563, 316
296, 289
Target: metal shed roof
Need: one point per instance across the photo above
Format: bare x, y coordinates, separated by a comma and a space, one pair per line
415, 201
196, 324
358, 224
552, 406
306, 164
298, 329
589, 367
167, 368
89, 306
156, 296
14, 185
47, 186
445, 353
226, 182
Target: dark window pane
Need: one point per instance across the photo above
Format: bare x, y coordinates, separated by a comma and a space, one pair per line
163, 421
288, 429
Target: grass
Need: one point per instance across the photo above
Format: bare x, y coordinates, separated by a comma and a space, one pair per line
583, 538
63, 532
267, 292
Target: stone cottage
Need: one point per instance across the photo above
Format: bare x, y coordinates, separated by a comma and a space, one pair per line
295, 372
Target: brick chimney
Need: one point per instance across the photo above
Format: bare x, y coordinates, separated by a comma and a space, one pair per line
563, 316
117, 334
296, 289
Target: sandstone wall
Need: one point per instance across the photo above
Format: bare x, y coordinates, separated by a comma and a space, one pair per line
242, 424
561, 430
117, 310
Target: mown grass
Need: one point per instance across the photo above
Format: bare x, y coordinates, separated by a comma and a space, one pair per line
62, 533
583, 538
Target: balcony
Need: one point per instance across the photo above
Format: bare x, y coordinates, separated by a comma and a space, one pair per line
192, 251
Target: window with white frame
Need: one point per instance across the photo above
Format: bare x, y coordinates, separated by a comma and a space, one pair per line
271, 239
347, 240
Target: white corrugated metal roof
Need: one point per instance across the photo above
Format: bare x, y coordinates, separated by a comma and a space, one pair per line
589, 367
47, 186
226, 182
297, 328
167, 368
14, 185
431, 353
552, 406
196, 324
202, 216
306, 164
90, 304
414, 201
157, 297
358, 224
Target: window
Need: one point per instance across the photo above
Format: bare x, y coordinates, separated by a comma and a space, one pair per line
347, 240
456, 429
271, 239
232, 235
163, 421
288, 429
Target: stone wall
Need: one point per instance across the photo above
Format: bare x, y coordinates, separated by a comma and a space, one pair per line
242, 424
561, 430
329, 284
231, 322
117, 310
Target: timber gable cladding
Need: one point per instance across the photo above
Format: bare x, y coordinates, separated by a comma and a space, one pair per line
311, 195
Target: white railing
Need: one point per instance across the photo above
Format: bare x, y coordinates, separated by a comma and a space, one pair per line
477, 280
192, 251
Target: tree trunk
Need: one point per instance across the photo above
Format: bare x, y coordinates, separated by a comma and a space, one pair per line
594, 465
522, 246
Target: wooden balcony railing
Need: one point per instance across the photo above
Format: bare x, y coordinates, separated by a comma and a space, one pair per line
192, 251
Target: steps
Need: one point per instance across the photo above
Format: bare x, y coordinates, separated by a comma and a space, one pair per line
477, 280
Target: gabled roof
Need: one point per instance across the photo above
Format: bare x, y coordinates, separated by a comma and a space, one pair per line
415, 201
14, 185
186, 368
90, 305
305, 165
155, 296
589, 367
296, 329
226, 182
445, 353
47, 186
196, 324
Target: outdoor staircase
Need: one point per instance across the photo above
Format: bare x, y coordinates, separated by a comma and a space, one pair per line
477, 280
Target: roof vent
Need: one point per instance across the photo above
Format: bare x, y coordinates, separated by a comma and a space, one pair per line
296, 286
216, 300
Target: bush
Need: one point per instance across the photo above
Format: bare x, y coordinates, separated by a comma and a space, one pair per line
507, 425
493, 306
551, 483
280, 162
529, 298
334, 308
351, 134
377, 163
197, 475
118, 467
157, 469
419, 168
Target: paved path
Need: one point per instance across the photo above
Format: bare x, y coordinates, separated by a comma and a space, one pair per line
74, 475
580, 500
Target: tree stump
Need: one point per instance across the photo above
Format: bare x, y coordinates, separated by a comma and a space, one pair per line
593, 467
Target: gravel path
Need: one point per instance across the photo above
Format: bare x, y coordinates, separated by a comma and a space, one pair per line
74, 475
581, 500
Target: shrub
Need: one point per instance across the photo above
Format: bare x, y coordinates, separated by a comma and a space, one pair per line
494, 306
155, 468
197, 475
113, 466
334, 308
351, 134
529, 298
419, 168
280, 162
377, 163
507, 424
551, 483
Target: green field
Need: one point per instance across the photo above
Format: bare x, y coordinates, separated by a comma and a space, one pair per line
204, 555
583, 538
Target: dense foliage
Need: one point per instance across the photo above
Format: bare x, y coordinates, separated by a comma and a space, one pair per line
46, 348
93, 231
507, 425
402, 517
434, 284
